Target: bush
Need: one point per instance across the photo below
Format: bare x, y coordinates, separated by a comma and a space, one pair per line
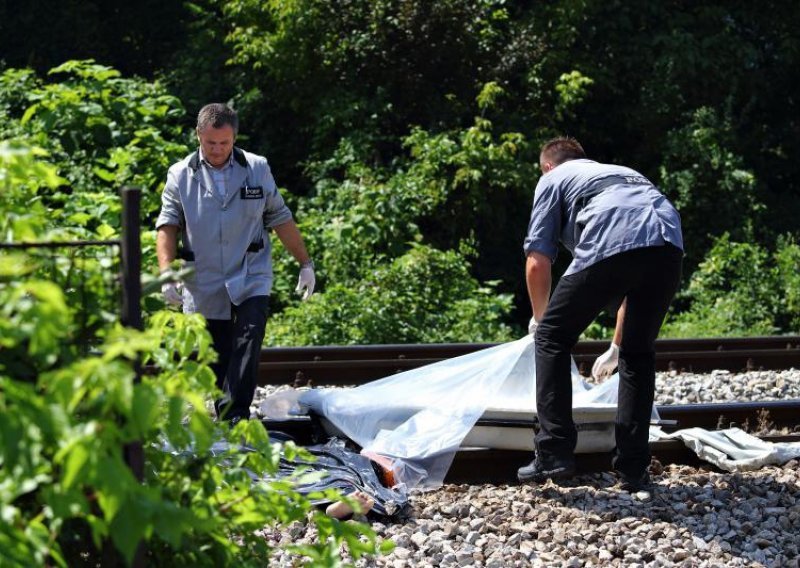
425, 296
787, 273
377, 271
741, 289
67, 495
710, 184
65, 485
101, 132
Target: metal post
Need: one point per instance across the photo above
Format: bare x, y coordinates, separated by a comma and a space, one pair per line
132, 295
131, 259
131, 250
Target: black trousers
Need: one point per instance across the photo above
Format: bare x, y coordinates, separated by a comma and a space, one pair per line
237, 342
648, 278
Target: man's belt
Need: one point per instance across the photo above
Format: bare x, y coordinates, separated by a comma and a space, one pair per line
188, 255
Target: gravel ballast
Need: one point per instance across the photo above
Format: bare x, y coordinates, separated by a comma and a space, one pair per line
693, 517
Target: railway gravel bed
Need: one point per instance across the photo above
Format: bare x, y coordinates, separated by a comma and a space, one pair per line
695, 516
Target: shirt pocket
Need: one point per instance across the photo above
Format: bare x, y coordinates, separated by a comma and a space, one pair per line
257, 262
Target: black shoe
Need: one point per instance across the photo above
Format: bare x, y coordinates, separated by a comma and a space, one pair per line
635, 483
539, 473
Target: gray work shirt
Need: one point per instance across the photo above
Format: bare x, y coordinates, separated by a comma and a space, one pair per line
598, 210
224, 234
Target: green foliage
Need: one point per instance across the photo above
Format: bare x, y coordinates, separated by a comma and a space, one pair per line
198, 72
85, 275
72, 144
424, 296
369, 217
15, 85
366, 70
102, 132
370, 226
65, 487
67, 495
741, 289
787, 274
692, 94
488, 96
22, 172
572, 89
709, 185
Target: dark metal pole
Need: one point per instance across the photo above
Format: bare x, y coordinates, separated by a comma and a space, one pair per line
131, 259
131, 249
132, 295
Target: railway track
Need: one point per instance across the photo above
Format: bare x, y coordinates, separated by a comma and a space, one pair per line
354, 365
500, 466
476, 466
481, 465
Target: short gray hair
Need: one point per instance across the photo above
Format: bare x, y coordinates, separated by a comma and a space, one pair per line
217, 115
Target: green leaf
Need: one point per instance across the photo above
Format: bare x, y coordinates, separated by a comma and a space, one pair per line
29, 113
105, 231
171, 522
104, 174
145, 408
115, 482
77, 459
129, 528
79, 218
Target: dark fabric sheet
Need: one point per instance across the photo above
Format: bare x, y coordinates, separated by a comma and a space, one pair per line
345, 470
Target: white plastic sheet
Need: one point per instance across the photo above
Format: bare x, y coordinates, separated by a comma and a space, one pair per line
417, 419
732, 449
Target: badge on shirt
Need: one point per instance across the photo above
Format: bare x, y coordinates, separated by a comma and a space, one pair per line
248, 192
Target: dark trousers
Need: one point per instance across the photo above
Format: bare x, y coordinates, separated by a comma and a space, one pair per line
648, 278
237, 342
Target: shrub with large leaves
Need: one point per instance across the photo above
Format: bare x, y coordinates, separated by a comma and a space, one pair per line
424, 296
742, 289
102, 131
710, 184
67, 495
65, 487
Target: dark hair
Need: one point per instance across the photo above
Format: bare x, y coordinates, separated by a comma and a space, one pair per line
217, 115
562, 149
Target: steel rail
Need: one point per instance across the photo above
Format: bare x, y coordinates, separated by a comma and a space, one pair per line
436, 350
447, 350
353, 365
476, 465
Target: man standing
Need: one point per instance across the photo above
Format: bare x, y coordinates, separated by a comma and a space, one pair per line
626, 242
223, 201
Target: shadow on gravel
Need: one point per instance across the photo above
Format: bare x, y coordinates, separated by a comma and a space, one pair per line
736, 518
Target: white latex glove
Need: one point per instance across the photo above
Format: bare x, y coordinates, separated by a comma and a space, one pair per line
172, 292
306, 280
532, 325
605, 364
